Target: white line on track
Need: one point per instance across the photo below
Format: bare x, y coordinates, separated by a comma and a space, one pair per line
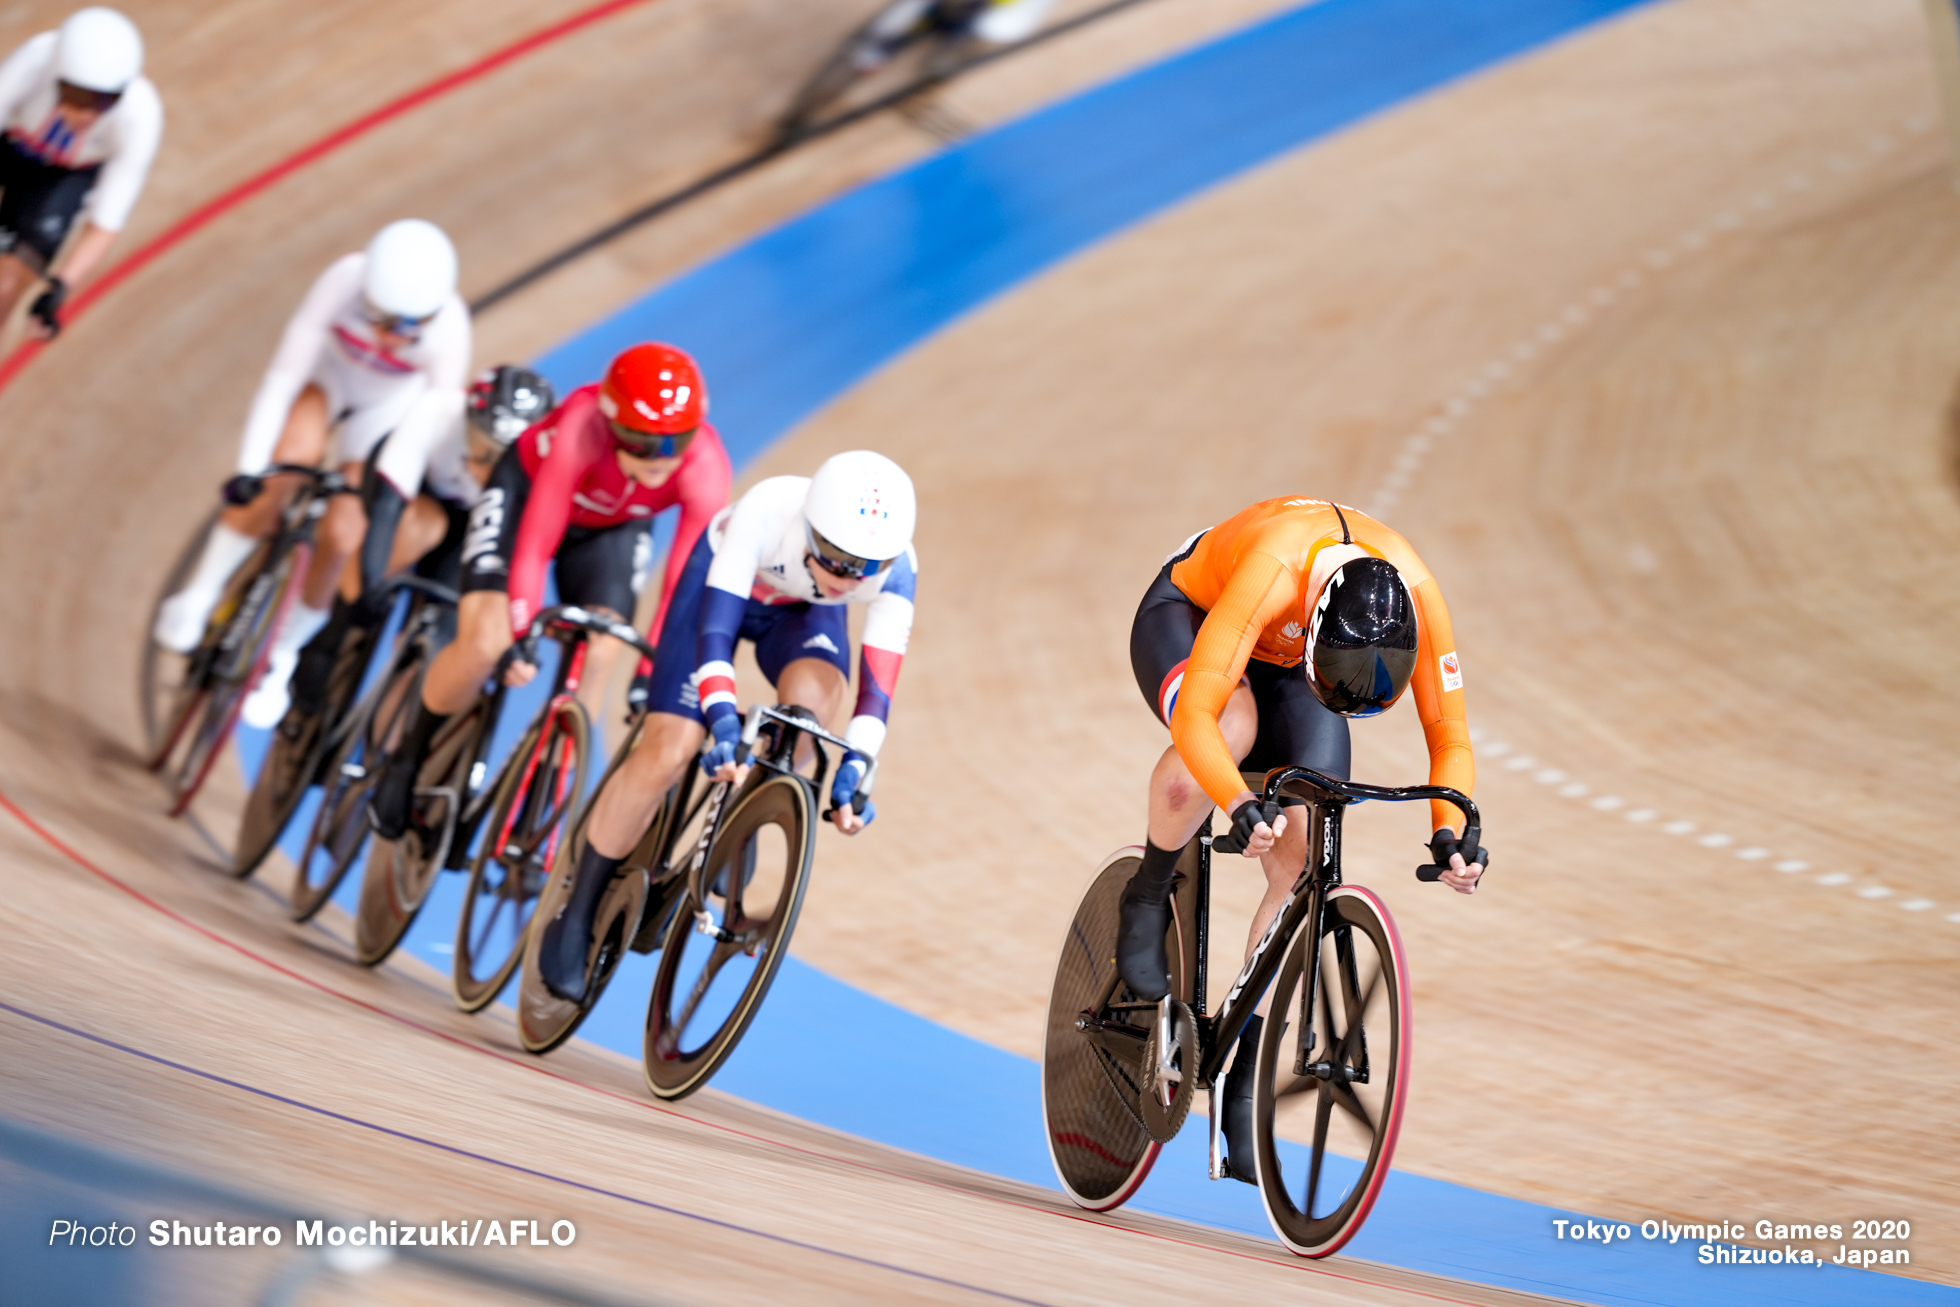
1487, 379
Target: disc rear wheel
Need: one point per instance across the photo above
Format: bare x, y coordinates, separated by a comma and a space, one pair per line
1095, 1065
1332, 1074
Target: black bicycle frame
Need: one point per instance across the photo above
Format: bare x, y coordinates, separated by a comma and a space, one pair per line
1326, 799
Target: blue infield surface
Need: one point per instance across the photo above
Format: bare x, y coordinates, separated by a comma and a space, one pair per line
786, 323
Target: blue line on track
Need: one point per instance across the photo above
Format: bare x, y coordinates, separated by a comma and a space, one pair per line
499, 1162
788, 322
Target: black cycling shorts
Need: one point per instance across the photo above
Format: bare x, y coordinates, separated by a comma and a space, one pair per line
38, 203
596, 567
1295, 728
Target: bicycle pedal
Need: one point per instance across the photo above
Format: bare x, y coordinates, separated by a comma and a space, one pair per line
353, 771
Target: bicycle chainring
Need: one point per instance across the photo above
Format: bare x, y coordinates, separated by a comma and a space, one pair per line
1179, 1082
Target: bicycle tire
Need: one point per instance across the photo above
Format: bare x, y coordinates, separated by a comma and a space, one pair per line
292, 762
511, 868
544, 1020
160, 670
1098, 1143
1371, 1026
787, 803
237, 670
340, 827
400, 872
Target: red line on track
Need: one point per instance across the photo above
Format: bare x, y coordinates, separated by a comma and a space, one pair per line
199, 218
79, 859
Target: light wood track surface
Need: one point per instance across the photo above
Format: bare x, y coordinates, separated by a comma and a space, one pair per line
115, 440
1698, 540
1673, 303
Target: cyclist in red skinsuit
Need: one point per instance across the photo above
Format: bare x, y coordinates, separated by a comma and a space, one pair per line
576, 482
581, 489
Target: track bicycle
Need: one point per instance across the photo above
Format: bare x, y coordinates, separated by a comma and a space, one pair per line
527, 809
349, 757
715, 886
906, 45
190, 703
1119, 1074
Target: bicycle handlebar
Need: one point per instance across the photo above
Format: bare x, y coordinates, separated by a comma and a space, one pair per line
1470, 846
572, 616
435, 590
245, 487
752, 727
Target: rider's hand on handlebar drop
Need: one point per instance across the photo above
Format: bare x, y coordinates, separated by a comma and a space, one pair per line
1458, 875
724, 746
1249, 824
519, 673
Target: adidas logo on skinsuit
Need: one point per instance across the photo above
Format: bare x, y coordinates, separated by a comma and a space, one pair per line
820, 642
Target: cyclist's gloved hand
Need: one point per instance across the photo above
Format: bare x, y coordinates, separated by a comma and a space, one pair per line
844, 787
46, 308
1246, 819
242, 489
640, 690
725, 737
1445, 846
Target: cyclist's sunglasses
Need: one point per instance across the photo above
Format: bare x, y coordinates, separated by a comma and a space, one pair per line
648, 444
395, 324
80, 97
841, 563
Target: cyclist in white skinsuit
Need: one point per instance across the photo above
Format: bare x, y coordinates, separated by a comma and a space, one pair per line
376, 330
996, 22
417, 492
81, 125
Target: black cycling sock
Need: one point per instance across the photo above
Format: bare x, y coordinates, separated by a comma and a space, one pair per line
595, 871
1152, 881
1237, 1113
568, 936
421, 731
312, 677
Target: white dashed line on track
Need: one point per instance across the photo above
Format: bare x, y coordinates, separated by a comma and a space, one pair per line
1504, 367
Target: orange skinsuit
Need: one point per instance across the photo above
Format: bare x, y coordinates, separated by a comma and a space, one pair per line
1250, 575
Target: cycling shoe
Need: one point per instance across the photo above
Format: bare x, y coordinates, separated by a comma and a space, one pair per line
1141, 958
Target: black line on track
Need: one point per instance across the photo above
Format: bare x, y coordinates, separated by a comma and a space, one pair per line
513, 1166
775, 149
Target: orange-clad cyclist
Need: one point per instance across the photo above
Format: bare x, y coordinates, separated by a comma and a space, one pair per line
1255, 644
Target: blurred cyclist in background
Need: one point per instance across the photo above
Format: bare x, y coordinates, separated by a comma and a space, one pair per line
1255, 644
778, 569
987, 22
82, 125
377, 329
418, 489
580, 488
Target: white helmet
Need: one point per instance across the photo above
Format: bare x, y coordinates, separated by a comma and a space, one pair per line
98, 50
411, 270
859, 513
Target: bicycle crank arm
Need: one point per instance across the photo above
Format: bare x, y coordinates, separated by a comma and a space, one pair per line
1216, 1168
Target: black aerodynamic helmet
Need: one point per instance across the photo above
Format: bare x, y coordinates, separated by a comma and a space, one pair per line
505, 400
1361, 638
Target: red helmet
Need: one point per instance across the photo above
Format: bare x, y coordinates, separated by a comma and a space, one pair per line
655, 389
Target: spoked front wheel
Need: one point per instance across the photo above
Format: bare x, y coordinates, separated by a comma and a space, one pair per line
204, 705
340, 830
536, 794
723, 949
1333, 1071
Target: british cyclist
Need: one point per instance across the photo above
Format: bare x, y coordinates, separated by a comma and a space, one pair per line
581, 487
376, 329
418, 489
1256, 643
82, 127
779, 569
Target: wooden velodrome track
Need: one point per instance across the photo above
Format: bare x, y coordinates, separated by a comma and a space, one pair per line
1666, 310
